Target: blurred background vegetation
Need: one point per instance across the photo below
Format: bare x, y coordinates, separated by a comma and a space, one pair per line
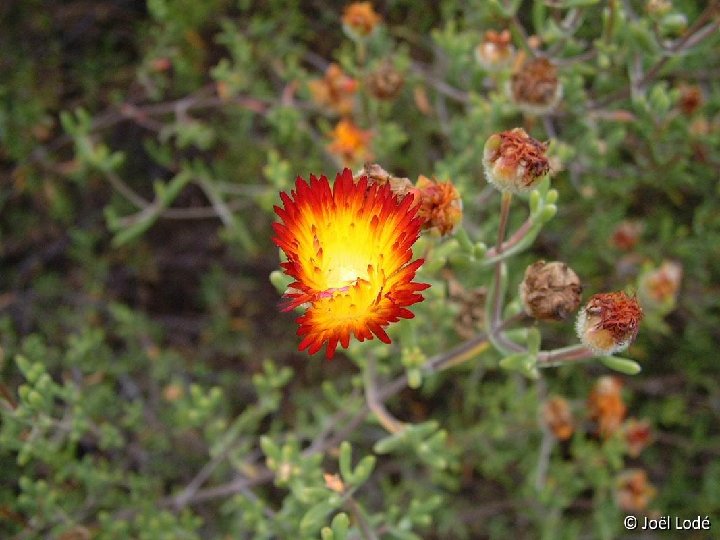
149, 388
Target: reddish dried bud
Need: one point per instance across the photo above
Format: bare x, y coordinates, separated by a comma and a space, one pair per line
606, 406
514, 161
385, 82
535, 87
638, 435
609, 322
550, 291
626, 234
335, 90
691, 99
556, 415
360, 19
496, 51
633, 492
440, 205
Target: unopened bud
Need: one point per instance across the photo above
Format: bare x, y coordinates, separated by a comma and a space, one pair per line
550, 291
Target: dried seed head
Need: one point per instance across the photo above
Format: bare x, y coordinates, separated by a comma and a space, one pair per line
550, 291
385, 82
609, 322
556, 415
514, 161
496, 51
535, 87
633, 492
606, 406
360, 20
440, 205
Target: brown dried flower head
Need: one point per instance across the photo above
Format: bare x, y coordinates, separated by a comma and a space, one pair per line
385, 82
514, 161
377, 175
335, 90
606, 406
638, 435
550, 291
633, 492
626, 235
440, 205
349, 142
556, 415
535, 87
496, 51
609, 322
691, 99
360, 19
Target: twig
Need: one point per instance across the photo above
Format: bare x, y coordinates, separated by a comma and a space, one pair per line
387, 420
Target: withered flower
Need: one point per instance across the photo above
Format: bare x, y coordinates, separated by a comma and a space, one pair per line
439, 205
691, 99
550, 291
377, 175
514, 161
385, 82
609, 322
633, 492
496, 51
335, 90
606, 406
626, 235
638, 435
556, 415
659, 287
535, 87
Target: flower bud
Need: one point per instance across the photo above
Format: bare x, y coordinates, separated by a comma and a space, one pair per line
556, 415
633, 492
550, 291
609, 322
514, 161
360, 20
535, 87
638, 435
440, 205
385, 82
496, 51
606, 406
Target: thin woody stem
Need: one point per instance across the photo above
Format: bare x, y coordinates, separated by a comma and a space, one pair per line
375, 404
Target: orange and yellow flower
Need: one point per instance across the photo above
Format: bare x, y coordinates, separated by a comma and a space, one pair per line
349, 249
350, 143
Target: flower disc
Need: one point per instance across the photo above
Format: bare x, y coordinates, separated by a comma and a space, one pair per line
348, 248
